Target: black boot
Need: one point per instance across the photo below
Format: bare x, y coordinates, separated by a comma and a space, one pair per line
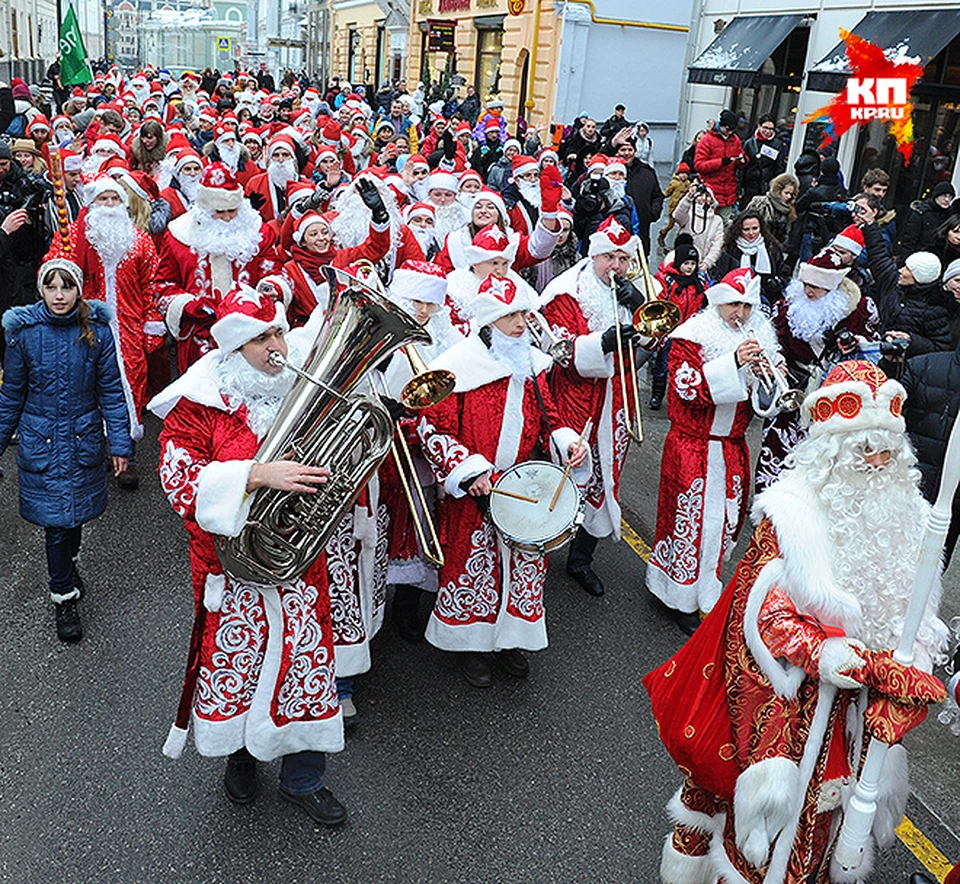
657, 394
406, 612
921, 878
580, 560
69, 627
240, 777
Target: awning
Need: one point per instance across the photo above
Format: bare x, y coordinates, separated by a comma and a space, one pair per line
920, 33
735, 57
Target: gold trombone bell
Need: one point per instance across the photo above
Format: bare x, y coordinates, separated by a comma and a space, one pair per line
427, 386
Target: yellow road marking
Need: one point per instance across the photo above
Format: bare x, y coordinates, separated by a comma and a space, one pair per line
913, 839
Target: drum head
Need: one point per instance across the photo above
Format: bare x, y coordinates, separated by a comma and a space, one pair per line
533, 523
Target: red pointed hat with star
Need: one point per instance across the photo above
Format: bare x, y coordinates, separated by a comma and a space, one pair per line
218, 189
856, 395
419, 281
243, 315
739, 286
612, 236
498, 297
490, 243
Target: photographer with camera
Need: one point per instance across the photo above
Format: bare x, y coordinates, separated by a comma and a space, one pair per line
603, 193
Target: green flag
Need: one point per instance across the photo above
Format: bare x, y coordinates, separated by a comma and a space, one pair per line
73, 57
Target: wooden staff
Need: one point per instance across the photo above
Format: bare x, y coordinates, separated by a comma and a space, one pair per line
566, 472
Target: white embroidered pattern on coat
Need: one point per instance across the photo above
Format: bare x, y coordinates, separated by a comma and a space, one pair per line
677, 554
381, 558
733, 514
474, 595
527, 572
179, 476
227, 689
685, 380
348, 628
443, 452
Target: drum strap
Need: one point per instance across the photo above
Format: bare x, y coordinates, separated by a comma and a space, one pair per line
543, 408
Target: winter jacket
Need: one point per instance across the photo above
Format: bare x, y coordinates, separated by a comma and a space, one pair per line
644, 189
578, 147
684, 291
717, 166
918, 234
707, 232
761, 168
807, 168
58, 392
676, 190
923, 311
771, 284
778, 216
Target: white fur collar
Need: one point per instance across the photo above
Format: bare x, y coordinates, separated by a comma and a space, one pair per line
716, 338
184, 228
471, 362
198, 384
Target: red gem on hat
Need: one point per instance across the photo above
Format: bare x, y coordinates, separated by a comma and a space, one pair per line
501, 288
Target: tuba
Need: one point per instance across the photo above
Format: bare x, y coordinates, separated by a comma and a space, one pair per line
323, 421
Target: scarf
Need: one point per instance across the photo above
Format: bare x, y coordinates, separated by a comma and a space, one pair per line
312, 263
754, 255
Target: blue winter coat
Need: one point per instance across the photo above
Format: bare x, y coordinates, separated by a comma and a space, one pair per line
58, 392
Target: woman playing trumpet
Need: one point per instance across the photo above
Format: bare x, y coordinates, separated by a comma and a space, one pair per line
717, 361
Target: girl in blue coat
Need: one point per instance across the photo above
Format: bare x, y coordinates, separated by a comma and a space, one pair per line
61, 384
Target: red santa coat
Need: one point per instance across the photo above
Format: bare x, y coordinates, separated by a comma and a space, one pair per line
261, 185
764, 742
490, 597
704, 482
129, 292
589, 388
262, 664
175, 199
531, 249
185, 277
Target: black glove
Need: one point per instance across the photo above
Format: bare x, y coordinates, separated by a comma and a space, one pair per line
257, 200
449, 146
395, 408
726, 161
627, 294
372, 200
608, 340
312, 202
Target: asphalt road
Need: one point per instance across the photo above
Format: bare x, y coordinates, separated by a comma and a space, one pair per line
559, 778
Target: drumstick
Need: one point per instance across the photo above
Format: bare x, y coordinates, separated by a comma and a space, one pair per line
514, 495
566, 472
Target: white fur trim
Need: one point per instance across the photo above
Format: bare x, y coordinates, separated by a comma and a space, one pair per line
722, 865
197, 384
59, 598
601, 244
762, 801
681, 815
822, 277
589, 359
892, 799
184, 228
219, 199
155, 328
784, 678
836, 655
235, 329
562, 438
174, 312
838, 875
213, 587
874, 412
511, 425
175, 742
678, 868
222, 500
469, 468
724, 380
474, 254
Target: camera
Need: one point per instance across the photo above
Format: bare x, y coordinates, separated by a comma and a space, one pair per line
895, 349
593, 198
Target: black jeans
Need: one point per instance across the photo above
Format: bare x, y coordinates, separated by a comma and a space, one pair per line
580, 557
63, 545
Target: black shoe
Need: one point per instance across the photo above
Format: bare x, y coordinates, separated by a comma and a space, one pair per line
655, 403
320, 806
513, 662
69, 628
240, 778
406, 613
476, 670
921, 878
78, 583
588, 580
129, 479
686, 621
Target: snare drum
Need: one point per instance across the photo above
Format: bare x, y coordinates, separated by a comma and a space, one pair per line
531, 526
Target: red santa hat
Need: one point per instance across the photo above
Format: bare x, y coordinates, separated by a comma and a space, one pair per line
856, 395
565, 215
243, 315
331, 132
490, 195
327, 151
282, 140
308, 220
141, 184
498, 297
218, 189
471, 175
419, 281
851, 239
523, 164
415, 161
739, 286
71, 162
178, 141
208, 115
464, 129
298, 189
419, 210
38, 122
189, 75
104, 183
224, 133
443, 181
598, 163
185, 157
251, 133
612, 236
614, 165
282, 286
492, 125
109, 141
824, 270
490, 243
548, 153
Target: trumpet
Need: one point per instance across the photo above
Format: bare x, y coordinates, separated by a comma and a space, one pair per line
772, 379
560, 350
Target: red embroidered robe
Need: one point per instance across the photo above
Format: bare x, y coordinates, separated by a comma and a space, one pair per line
263, 676
490, 597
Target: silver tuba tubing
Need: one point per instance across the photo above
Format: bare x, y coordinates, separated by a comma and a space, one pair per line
323, 422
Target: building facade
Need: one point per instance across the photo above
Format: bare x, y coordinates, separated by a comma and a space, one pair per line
790, 63
28, 35
368, 40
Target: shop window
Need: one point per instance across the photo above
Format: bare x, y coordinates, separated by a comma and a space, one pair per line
489, 55
353, 55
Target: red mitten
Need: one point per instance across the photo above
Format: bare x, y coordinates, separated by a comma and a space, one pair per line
551, 189
905, 684
200, 310
890, 721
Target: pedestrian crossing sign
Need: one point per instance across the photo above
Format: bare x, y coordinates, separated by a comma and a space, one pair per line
223, 44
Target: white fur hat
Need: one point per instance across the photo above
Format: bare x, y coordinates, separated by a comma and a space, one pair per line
419, 281
612, 236
104, 183
443, 181
856, 395
825, 270
218, 189
499, 297
490, 243
739, 286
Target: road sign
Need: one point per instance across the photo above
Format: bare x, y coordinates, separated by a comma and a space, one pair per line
223, 44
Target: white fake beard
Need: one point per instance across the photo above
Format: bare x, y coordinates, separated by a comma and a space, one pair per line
189, 186
261, 393
425, 236
876, 519
111, 232
618, 189
352, 224
596, 301
467, 199
237, 240
513, 353
230, 156
449, 218
809, 319
530, 191
419, 191
63, 135
281, 173
91, 165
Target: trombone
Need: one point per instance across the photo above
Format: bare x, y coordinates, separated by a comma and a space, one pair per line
772, 380
655, 318
560, 350
631, 411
